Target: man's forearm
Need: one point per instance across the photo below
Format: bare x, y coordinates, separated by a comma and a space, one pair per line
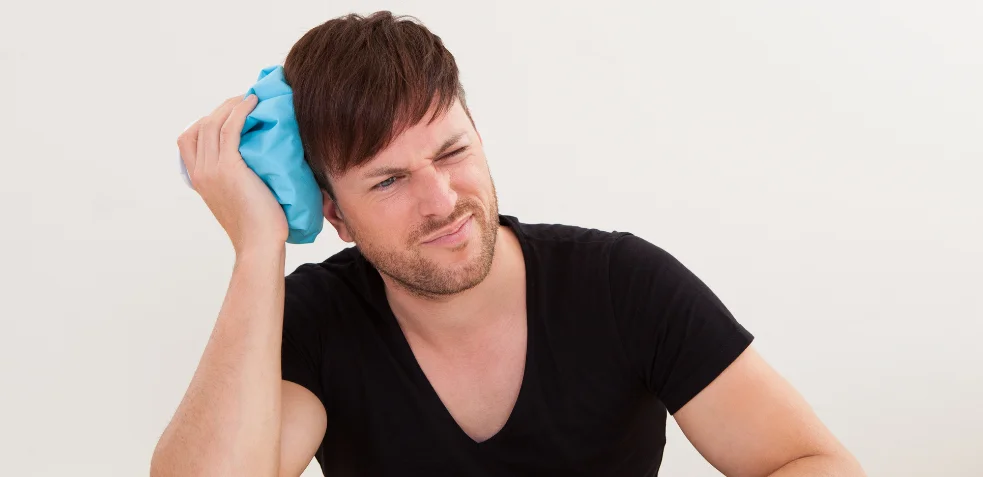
824, 465
229, 420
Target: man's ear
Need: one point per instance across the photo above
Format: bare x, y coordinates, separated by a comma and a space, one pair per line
333, 213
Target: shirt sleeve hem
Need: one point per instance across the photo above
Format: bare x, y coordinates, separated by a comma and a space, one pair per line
725, 356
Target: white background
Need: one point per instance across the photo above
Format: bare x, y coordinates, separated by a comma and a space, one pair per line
818, 164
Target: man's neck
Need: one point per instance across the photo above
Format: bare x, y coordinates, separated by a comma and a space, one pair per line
466, 317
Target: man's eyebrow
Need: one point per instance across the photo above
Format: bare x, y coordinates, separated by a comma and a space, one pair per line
391, 171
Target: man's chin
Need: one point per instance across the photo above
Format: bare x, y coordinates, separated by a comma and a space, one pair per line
458, 273
448, 283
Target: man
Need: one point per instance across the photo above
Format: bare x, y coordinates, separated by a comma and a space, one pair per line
453, 340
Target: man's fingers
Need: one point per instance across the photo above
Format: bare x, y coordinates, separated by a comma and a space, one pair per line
187, 145
208, 136
231, 131
233, 101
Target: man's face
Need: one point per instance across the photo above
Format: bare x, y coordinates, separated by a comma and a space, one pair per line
399, 207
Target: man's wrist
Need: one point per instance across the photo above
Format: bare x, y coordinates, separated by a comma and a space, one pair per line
261, 252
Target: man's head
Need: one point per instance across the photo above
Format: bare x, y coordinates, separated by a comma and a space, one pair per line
387, 132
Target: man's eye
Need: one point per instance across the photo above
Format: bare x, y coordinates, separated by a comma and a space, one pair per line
454, 152
386, 183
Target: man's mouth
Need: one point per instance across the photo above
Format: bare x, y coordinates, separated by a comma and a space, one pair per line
450, 229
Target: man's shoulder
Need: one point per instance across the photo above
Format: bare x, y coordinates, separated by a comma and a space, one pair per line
342, 262
571, 250
561, 233
579, 244
339, 272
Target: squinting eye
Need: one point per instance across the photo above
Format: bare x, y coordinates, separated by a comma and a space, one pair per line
386, 183
454, 153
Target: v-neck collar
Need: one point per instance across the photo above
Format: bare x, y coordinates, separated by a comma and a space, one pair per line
393, 334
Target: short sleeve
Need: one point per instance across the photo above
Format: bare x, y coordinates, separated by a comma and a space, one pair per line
676, 332
302, 351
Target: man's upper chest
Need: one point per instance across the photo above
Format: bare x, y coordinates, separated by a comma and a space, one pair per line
478, 382
564, 354
559, 395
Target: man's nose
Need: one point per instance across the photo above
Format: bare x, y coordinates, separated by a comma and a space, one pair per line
432, 187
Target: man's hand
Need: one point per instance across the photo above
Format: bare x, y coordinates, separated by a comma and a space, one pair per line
243, 205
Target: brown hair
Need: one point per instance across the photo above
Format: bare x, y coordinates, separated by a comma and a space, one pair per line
358, 82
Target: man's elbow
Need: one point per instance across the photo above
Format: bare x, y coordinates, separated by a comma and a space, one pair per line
160, 465
833, 464
847, 465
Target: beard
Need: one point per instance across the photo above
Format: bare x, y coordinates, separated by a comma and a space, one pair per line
425, 277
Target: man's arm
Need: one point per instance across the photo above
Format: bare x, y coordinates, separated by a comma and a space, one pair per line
751, 422
238, 417
302, 423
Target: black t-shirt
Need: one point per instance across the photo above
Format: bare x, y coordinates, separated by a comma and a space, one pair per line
619, 333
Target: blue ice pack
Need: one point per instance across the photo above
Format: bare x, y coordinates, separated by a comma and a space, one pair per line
270, 145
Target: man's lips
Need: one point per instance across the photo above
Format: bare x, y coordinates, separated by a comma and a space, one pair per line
449, 229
